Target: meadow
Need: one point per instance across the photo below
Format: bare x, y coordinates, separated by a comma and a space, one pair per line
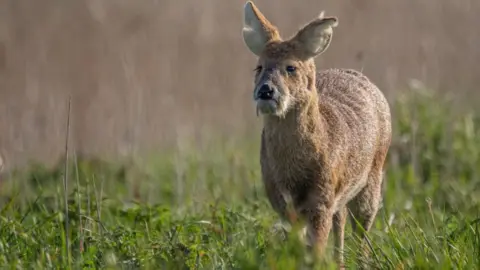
202, 206
163, 168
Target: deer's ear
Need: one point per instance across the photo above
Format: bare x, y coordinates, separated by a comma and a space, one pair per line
315, 37
257, 30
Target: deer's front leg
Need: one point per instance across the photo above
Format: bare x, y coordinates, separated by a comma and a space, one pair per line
274, 195
317, 210
319, 224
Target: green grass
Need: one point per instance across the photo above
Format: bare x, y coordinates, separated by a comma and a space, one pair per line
203, 206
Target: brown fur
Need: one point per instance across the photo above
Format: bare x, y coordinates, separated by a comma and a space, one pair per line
325, 145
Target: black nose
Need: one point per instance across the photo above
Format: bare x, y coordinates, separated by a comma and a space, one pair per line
265, 92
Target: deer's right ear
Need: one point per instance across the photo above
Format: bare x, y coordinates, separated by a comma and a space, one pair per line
257, 30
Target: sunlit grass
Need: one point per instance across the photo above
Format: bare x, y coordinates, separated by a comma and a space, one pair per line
205, 208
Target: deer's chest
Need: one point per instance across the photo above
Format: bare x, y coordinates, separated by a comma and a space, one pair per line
291, 165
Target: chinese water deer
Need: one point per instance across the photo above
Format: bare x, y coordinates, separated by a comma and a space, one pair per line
325, 135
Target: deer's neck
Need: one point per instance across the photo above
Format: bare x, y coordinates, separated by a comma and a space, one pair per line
303, 127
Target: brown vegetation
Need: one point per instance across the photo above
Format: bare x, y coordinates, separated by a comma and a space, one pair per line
143, 73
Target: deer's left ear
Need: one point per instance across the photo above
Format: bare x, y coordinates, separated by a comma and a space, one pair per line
257, 30
315, 37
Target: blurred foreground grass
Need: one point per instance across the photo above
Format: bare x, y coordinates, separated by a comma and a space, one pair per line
203, 206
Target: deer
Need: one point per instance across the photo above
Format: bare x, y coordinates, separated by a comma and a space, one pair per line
325, 134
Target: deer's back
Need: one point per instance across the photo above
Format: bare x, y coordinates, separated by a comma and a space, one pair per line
358, 121
353, 105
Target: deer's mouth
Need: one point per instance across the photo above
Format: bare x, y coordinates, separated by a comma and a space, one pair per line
267, 106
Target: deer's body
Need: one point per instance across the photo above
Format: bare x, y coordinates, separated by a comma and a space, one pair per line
338, 141
326, 134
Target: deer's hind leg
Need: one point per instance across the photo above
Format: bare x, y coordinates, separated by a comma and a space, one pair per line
365, 205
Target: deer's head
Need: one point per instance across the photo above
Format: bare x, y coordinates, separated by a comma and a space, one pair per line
285, 71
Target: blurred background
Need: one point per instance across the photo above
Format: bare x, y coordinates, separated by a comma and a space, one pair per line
145, 74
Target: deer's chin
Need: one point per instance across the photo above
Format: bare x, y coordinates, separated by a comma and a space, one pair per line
267, 107
272, 107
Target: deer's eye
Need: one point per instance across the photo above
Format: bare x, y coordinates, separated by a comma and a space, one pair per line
258, 69
291, 69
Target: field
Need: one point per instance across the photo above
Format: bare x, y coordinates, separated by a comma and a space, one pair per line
203, 207
163, 155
